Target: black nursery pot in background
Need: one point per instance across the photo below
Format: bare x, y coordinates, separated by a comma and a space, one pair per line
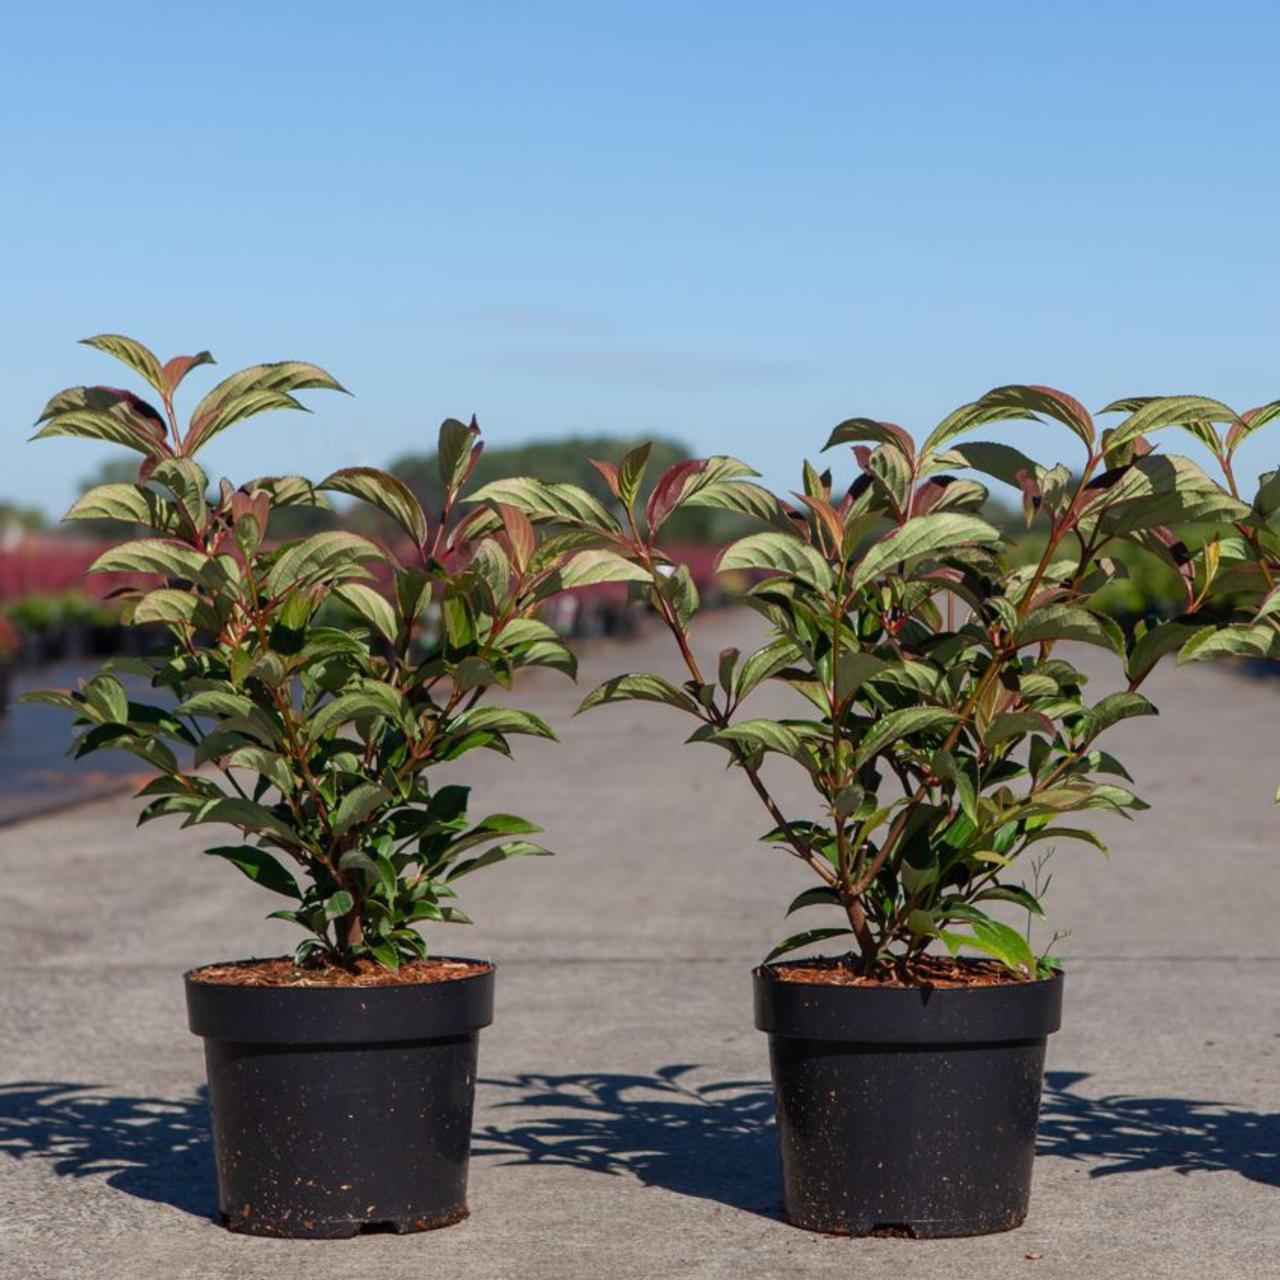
906, 1111
336, 1109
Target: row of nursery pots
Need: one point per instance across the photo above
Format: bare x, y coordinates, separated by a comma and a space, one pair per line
899, 1111
948, 732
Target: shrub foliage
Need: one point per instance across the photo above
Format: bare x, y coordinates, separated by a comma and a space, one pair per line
945, 731
313, 743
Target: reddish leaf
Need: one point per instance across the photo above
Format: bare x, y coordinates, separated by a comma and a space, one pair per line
609, 474
476, 450
258, 507
1032, 399
176, 369
827, 515
1030, 494
519, 531
871, 429
928, 493
666, 493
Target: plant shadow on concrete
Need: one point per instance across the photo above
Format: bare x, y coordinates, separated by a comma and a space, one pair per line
713, 1141
1120, 1133
716, 1141
153, 1148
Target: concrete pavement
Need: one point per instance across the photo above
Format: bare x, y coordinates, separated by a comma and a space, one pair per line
623, 1120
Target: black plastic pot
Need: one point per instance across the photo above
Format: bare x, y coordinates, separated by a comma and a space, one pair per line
339, 1109
906, 1112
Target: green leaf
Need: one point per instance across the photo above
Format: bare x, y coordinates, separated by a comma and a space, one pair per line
1154, 643
385, 491
453, 452
251, 391
1065, 622
238, 812
358, 804
152, 555
999, 940
593, 566
500, 720
544, 502
1165, 411
499, 853
780, 553
1236, 641
111, 428
1002, 461
922, 924
859, 430
822, 895
631, 473
288, 491
216, 702
1114, 708
763, 664
725, 667
966, 418
370, 699
489, 563
139, 358
268, 764
168, 605
853, 670
549, 653
891, 469
328, 555
928, 535
849, 800
742, 496
260, 867
187, 482
638, 688
762, 735
1014, 893
338, 904
1017, 724
798, 940
1039, 402
681, 592
475, 673
107, 696
128, 503
897, 725
61, 698
372, 606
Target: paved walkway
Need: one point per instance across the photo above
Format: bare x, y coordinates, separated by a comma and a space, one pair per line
623, 1123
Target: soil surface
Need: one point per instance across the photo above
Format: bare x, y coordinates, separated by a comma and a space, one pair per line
280, 971
926, 971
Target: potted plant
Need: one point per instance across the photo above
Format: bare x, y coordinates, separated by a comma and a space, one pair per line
35, 618
10, 648
341, 1078
948, 738
77, 613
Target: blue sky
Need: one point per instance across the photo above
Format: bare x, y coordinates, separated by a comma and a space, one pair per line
733, 223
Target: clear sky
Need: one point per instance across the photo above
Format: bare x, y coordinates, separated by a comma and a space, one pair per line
734, 223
